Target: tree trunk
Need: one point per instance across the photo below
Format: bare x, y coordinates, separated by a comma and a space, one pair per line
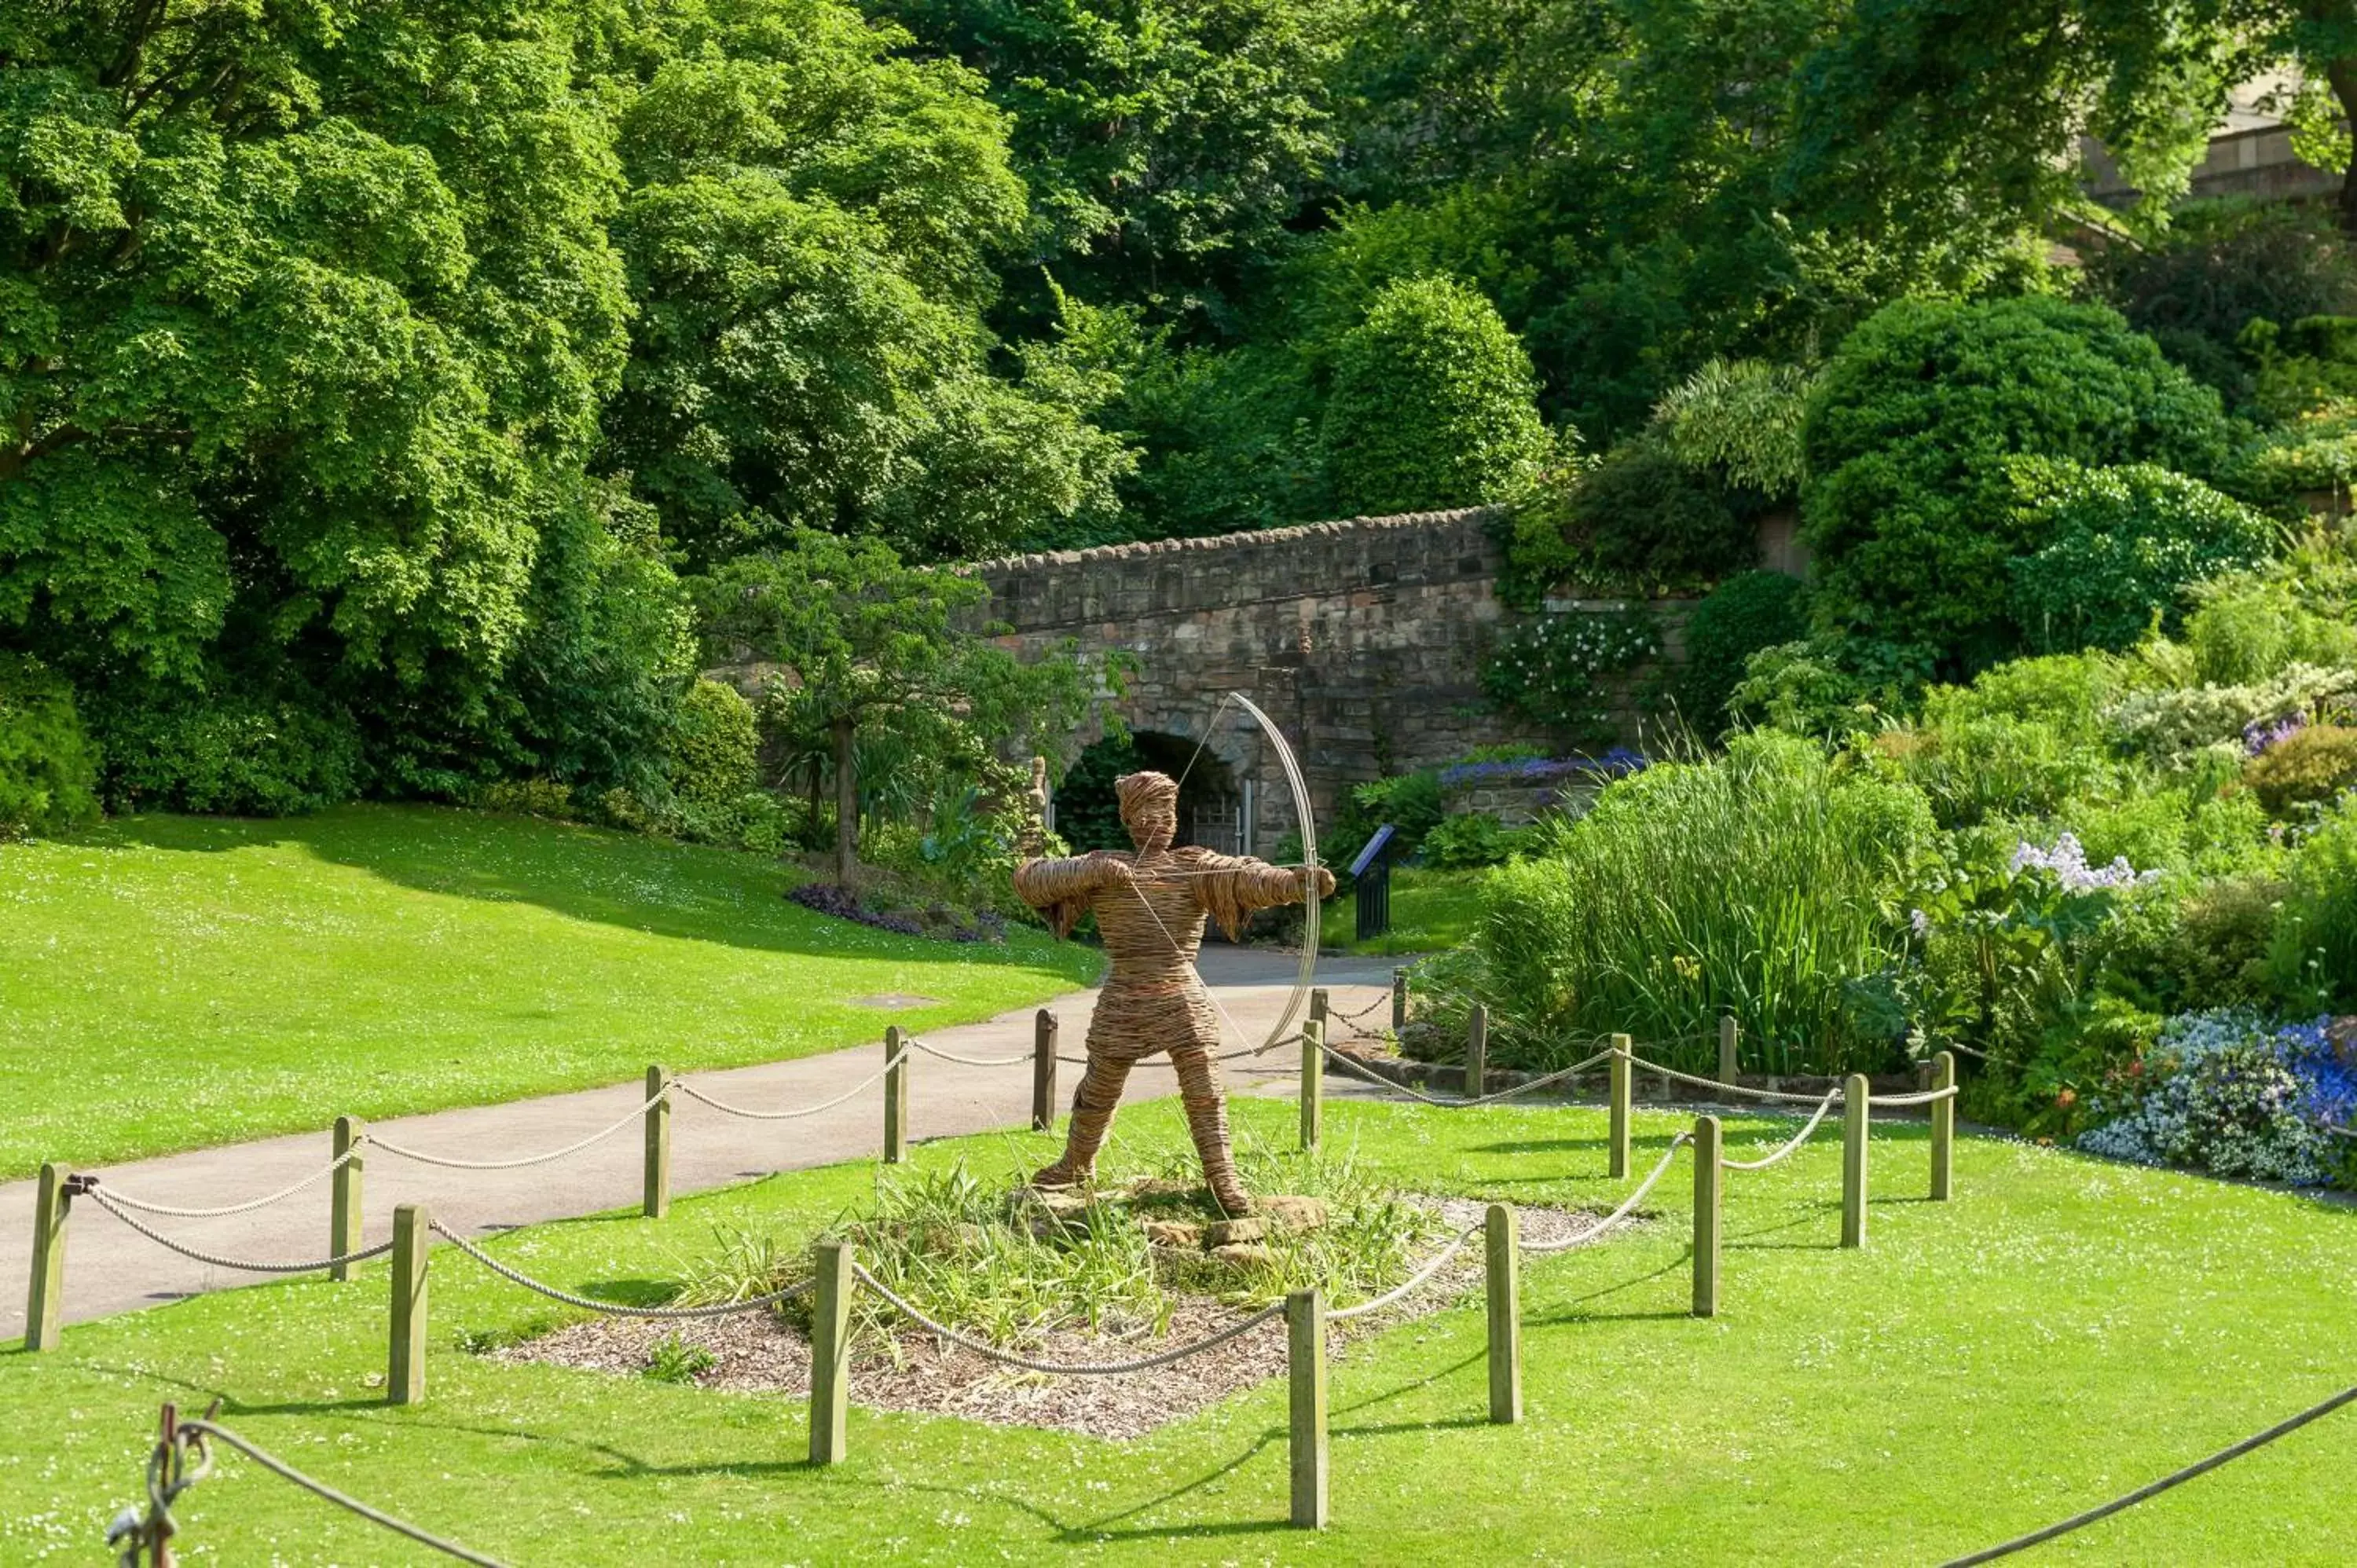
2342, 75
847, 804
810, 818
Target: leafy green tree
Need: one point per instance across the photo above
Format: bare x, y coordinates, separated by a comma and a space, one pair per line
1909, 436
811, 233
309, 312
868, 644
1167, 144
1432, 402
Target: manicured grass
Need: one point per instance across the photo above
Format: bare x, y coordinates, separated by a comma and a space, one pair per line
2064, 1331
1430, 910
176, 981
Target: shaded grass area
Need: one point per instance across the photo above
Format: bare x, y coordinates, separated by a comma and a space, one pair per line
2061, 1332
177, 981
1430, 910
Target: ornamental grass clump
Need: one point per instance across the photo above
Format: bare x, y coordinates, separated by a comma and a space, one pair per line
1767, 884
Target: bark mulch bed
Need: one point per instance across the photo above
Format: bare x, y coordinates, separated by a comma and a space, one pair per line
757, 1351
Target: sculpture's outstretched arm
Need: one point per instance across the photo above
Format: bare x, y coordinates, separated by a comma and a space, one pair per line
1060, 889
1231, 887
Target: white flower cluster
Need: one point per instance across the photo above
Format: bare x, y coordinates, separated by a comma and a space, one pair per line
2067, 860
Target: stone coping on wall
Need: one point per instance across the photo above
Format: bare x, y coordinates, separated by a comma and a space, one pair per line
1250, 538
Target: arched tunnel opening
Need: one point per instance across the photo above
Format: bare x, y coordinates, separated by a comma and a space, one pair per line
1210, 800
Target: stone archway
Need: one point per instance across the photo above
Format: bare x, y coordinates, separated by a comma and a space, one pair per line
1211, 793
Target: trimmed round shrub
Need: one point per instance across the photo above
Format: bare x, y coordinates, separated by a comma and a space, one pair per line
49, 770
713, 745
1641, 513
1434, 402
1748, 612
2313, 763
2122, 547
1910, 507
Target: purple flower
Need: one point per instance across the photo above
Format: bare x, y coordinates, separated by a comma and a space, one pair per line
2262, 735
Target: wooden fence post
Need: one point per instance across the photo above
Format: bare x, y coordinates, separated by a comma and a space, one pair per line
344, 1195
830, 1395
1305, 1360
1710, 1183
1320, 1005
1944, 1128
1399, 1000
1622, 1070
405, 1372
1313, 1082
1043, 1071
45, 1299
1727, 1036
1504, 1243
1477, 1050
1856, 1105
657, 1202
896, 1098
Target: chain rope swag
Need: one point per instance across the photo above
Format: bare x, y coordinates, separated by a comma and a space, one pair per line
184, 1457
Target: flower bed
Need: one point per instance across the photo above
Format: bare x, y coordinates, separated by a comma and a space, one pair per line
2225, 1091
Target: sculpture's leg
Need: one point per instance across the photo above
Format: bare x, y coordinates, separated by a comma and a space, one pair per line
1092, 1105
1207, 1120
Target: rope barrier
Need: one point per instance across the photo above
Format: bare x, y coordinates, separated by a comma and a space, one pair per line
2154, 1488
1352, 1064
855, 1090
1566, 1243
378, 1517
969, 1061
1794, 1142
1073, 1369
1771, 1094
145, 1207
449, 1163
100, 1196
1415, 1280
611, 1309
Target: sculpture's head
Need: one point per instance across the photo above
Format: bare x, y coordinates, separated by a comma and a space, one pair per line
1149, 809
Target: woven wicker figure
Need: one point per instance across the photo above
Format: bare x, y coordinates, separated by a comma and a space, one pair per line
1150, 907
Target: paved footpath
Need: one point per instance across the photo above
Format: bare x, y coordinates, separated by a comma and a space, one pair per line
110, 1268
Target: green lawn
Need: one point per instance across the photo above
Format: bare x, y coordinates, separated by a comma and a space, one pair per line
1430, 910
2061, 1332
176, 981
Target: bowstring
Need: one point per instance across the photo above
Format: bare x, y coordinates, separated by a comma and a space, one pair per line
1205, 739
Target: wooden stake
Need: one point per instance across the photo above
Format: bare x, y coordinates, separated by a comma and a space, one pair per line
405, 1372
1623, 1069
1855, 1109
160, 1550
656, 1199
1504, 1243
1043, 1071
45, 1300
1313, 1081
1304, 1322
1944, 1128
830, 1383
344, 1195
1399, 1000
1477, 1050
1727, 1038
1319, 1005
896, 1100
1710, 1178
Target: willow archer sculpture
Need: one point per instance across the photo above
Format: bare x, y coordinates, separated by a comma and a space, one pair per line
1150, 909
